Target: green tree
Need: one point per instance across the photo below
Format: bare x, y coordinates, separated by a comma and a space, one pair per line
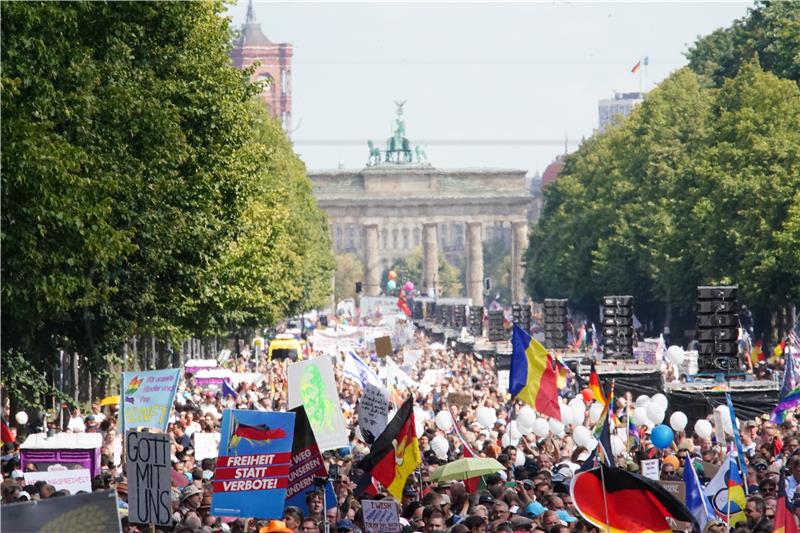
410, 269
497, 266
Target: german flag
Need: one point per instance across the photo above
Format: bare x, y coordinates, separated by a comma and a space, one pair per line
784, 519
596, 387
395, 453
258, 432
618, 501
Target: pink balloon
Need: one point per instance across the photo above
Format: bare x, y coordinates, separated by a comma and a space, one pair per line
408, 286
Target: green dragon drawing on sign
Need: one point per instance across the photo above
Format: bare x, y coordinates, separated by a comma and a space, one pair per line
319, 409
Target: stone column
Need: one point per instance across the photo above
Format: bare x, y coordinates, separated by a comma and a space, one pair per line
430, 258
475, 262
519, 242
372, 274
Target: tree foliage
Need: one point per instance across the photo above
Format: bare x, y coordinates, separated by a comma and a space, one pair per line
143, 191
410, 269
349, 270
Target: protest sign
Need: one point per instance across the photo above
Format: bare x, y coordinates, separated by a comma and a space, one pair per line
676, 488
148, 457
503, 379
381, 516
373, 411
95, 512
650, 469
147, 397
312, 384
252, 471
383, 346
206, 445
461, 399
307, 463
72, 480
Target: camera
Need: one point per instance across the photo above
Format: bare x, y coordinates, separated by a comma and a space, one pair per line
333, 471
320, 481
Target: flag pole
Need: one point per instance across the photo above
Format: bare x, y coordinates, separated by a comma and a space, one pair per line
605, 502
729, 492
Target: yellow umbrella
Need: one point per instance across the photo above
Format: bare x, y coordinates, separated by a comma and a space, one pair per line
109, 400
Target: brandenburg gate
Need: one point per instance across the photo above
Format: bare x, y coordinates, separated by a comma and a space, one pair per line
399, 201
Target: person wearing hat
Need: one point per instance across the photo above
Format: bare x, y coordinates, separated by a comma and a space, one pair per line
10, 491
276, 526
191, 498
565, 517
535, 510
345, 526
475, 524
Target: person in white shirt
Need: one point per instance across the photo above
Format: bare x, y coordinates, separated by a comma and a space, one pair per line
75, 423
191, 424
97, 413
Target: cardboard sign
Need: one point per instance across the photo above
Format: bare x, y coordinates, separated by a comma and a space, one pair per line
381, 516
650, 469
719, 428
312, 384
710, 469
149, 500
255, 456
503, 379
373, 412
206, 445
95, 512
461, 399
676, 488
146, 398
383, 346
72, 480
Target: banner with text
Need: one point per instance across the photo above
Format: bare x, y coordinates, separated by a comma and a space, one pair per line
307, 463
252, 472
72, 480
312, 384
381, 516
148, 456
147, 396
373, 412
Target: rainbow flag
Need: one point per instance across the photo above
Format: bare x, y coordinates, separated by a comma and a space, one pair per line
633, 431
788, 402
533, 378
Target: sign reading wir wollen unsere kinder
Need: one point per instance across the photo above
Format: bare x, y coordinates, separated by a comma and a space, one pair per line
255, 454
146, 398
148, 456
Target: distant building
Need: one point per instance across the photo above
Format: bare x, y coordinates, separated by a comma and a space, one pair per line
275, 66
621, 104
552, 171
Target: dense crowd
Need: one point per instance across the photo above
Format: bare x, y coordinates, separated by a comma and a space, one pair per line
531, 493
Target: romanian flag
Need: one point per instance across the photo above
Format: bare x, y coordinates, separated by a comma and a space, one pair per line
618, 501
532, 378
756, 353
395, 453
402, 304
596, 386
636, 67
784, 519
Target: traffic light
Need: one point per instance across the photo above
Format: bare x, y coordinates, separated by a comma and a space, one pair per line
476, 321
618, 327
358, 287
555, 323
495, 330
717, 332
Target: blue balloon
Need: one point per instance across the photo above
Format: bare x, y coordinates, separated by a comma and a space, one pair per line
391, 285
662, 436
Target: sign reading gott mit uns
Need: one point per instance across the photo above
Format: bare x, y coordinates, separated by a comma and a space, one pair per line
149, 499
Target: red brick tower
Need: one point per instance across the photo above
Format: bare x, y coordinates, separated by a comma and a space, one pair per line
274, 66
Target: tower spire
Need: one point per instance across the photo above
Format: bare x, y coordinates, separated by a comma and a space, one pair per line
251, 15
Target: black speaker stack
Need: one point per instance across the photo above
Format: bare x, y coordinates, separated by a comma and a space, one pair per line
445, 315
417, 311
717, 332
495, 331
430, 310
618, 331
521, 315
555, 323
475, 321
460, 317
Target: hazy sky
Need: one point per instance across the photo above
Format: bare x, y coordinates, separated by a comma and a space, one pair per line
488, 84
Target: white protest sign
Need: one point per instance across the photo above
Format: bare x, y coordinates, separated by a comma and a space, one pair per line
503, 379
72, 480
149, 499
650, 469
206, 445
373, 411
381, 516
312, 384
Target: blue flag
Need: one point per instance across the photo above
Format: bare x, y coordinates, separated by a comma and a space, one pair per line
736, 437
696, 500
227, 389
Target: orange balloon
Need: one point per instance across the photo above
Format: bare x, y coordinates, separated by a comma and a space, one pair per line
587, 394
392, 274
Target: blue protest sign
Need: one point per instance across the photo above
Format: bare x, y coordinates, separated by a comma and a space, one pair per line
146, 398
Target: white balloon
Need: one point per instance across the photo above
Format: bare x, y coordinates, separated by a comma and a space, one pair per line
660, 400
556, 427
577, 400
526, 417
440, 446
675, 355
703, 429
642, 400
640, 416
513, 430
444, 421
617, 445
520, 459
486, 416
595, 411
566, 414
541, 428
592, 444
655, 413
578, 414
419, 420
678, 421
581, 435
505, 440
21, 418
